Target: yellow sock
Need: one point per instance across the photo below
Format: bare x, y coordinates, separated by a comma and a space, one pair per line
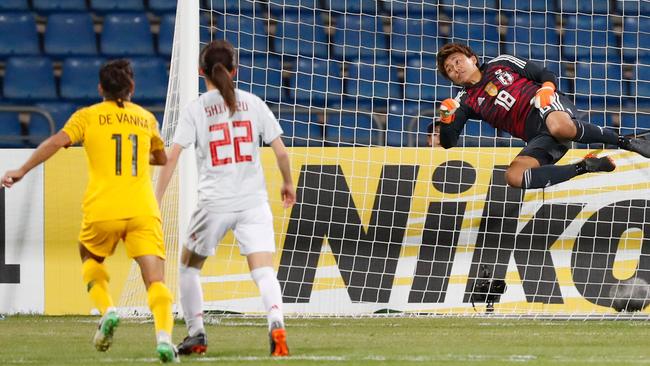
96, 279
160, 303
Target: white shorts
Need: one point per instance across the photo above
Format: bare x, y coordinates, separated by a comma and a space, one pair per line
253, 229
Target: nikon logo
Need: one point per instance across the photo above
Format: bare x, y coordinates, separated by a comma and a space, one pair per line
367, 259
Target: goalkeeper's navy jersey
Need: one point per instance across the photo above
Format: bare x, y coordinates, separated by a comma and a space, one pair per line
502, 96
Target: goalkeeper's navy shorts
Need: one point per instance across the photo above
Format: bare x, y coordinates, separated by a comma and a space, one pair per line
545, 148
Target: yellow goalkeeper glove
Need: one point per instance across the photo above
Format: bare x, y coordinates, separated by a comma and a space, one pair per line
447, 109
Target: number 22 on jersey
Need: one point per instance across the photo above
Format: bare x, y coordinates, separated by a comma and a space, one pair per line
226, 140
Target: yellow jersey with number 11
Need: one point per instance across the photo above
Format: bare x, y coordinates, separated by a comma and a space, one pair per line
118, 142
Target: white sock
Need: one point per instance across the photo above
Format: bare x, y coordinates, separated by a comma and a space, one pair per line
269, 286
191, 298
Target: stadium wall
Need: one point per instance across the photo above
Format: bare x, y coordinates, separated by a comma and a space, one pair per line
407, 229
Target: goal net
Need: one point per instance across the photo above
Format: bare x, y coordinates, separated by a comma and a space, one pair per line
386, 224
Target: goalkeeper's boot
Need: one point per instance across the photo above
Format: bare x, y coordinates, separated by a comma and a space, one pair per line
593, 164
167, 352
639, 146
193, 344
104, 334
278, 338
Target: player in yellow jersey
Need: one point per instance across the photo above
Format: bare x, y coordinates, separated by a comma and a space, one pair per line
121, 141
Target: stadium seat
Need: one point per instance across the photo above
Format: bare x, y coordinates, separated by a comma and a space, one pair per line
39, 129
166, 34
420, 77
351, 6
526, 5
376, 81
119, 27
588, 38
301, 34
29, 79
51, 6
244, 32
58, 41
162, 6
11, 135
350, 129
14, 5
79, 79
60, 111
643, 86
107, 6
594, 7
598, 79
479, 133
301, 129
261, 74
316, 82
359, 37
281, 8
247, 7
421, 9
18, 35
409, 36
402, 116
150, 80
632, 8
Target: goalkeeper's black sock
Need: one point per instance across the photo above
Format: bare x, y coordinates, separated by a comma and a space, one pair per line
548, 175
588, 133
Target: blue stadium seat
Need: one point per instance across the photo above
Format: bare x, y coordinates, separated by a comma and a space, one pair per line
635, 123
150, 80
420, 77
51, 6
350, 128
11, 131
29, 79
359, 37
594, 7
107, 6
38, 129
643, 86
378, 81
60, 26
261, 74
316, 82
301, 129
166, 34
444, 89
414, 9
14, 5
408, 36
133, 27
301, 34
478, 133
569, 6
632, 7
635, 39
526, 5
162, 6
598, 79
243, 31
533, 36
18, 35
588, 38
248, 7
60, 111
79, 79
281, 8
351, 6
402, 116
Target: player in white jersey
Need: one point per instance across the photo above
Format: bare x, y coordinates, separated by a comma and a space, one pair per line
225, 125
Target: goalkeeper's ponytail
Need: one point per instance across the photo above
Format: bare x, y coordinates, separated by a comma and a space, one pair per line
217, 61
116, 80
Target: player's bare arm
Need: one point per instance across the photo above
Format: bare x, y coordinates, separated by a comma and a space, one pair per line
44, 151
288, 192
167, 170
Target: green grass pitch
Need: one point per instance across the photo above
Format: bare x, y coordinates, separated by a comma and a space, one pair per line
41, 340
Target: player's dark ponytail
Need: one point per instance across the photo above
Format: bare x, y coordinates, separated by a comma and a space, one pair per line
217, 61
116, 80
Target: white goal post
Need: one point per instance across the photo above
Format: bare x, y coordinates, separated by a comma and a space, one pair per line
385, 224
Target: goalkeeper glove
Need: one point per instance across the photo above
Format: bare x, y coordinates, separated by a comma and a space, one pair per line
447, 109
544, 96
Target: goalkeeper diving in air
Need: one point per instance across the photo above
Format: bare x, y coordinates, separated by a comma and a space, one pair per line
520, 97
